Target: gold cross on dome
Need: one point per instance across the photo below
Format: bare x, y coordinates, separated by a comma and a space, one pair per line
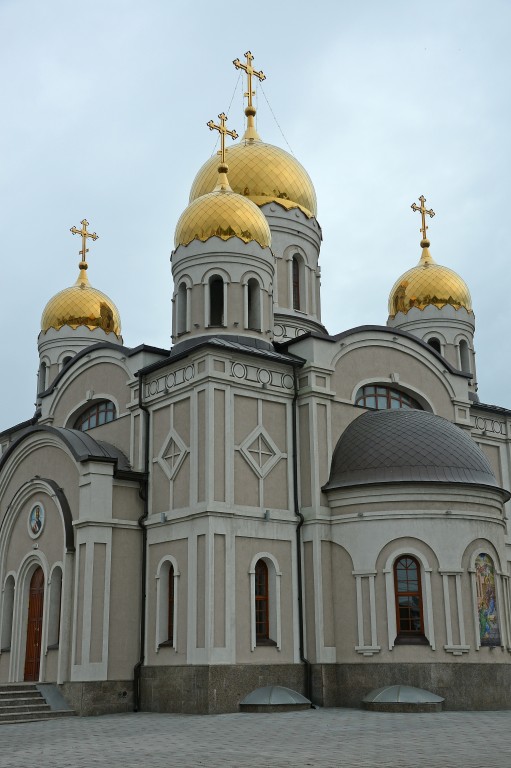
249, 69
83, 232
423, 211
223, 132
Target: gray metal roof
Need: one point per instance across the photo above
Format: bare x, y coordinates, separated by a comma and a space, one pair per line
403, 693
401, 445
81, 444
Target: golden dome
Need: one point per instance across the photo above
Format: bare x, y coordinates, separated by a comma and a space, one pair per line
222, 213
263, 173
428, 284
81, 305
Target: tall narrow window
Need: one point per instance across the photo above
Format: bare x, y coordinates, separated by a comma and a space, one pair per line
407, 582
435, 343
182, 308
216, 300
55, 602
7, 611
489, 632
464, 356
296, 283
41, 384
262, 602
254, 304
170, 615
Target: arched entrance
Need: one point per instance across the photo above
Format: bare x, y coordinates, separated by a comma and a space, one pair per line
34, 626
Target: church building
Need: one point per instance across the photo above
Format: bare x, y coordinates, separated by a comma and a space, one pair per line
267, 503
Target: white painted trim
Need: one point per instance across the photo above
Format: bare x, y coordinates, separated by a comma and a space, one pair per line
274, 570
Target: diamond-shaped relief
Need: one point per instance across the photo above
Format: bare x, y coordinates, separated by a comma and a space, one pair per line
260, 451
172, 454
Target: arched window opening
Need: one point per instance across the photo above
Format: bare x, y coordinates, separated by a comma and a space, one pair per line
66, 360
254, 304
55, 607
435, 343
170, 615
182, 309
296, 283
380, 398
41, 383
7, 613
166, 597
216, 301
98, 414
464, 356
408, 595
489, 631
262, 603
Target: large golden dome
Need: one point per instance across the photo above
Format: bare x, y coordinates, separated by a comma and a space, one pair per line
81, 305
428, 284
222, 213
263, 173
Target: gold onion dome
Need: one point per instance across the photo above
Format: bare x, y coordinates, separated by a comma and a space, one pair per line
81, 305
261, 172
428, 284
222, 213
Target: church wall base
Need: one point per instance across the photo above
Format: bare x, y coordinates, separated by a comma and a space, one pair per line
104, 697
212, 689
463, 686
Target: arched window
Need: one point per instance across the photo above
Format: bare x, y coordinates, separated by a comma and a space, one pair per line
98, 414
182, 309
489, 631
166, 601
435, 343
41, 383
54, 613
216, 301
408, 594
380, 398
262, 603
66, 360
170, 607
464, 356
253, 305
296, 282
7, 612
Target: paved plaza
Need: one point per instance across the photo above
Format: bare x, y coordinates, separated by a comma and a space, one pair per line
322, 737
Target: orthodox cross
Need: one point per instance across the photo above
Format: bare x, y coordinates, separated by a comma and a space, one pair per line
222, 131
249, 69
423, 211
83, 232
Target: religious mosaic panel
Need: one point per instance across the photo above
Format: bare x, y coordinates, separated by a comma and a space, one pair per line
489, 631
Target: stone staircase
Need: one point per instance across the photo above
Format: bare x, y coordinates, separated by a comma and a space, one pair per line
26, 702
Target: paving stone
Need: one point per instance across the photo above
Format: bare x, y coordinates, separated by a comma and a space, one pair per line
324, 738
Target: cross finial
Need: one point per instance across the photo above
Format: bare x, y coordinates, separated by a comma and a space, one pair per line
423, 211
223, 132
83, 232
249, 69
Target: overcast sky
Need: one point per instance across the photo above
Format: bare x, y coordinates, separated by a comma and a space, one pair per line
103, 115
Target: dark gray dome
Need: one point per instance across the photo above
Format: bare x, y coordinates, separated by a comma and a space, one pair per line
402, 445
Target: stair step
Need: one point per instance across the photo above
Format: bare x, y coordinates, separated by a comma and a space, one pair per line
29, 696
20, 707
30, 718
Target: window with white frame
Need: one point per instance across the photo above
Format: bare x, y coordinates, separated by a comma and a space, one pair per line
166, 598
7, 613
54, 608
265, 601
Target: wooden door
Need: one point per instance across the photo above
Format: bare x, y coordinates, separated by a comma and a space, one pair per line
34, 625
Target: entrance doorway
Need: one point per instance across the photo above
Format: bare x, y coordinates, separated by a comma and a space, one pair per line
34, 626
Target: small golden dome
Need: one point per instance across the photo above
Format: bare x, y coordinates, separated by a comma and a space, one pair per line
428, 284
263, 173
81, 305
222, 213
